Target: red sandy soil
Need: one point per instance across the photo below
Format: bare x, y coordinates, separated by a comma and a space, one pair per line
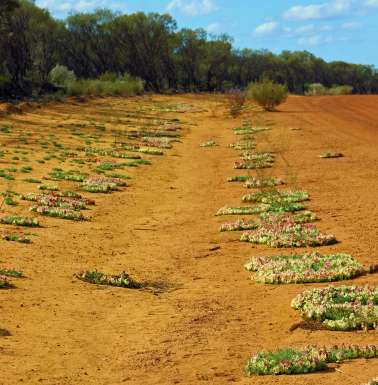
210, 317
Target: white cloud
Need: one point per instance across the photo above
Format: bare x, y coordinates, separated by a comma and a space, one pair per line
267, 28
193, 7
320, 11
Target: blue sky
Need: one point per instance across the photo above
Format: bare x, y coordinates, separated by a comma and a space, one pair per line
332, 29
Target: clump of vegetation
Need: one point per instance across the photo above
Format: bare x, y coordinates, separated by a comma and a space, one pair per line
267, 94
58, 212
4, 282
306, 360
340, 308
148, 151
236, 210
11, 273
58, 174
125, 85
209, 143
238, 178
20, 221
318, 89
102, 184
247, 130
254, 164
275, 207
288, 234
279, 207
331, 154
157, 142
26, 169
48, 187
253, 182
32, 180
98, 278
236, 100
238, 225
61, 76
305, 216
304, 268
9, 198
276, 196
21, 238
243, 145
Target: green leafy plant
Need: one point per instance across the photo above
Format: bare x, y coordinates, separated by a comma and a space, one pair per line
99, 278
340, 308
11, 273
59, 212
238, 225
306, 360
238, 178
276, 196
20, 221
254, 182
21, 238
48, 187
32, 180
4, 282
304, 268
288, 234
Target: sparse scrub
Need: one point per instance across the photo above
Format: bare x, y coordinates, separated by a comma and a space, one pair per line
124, 86
235, 101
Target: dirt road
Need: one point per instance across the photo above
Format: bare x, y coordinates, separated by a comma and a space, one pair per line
209, 317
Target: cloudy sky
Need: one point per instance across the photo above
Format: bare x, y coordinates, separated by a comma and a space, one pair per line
333, 29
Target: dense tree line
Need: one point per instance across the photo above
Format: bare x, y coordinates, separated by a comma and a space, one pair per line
149, 46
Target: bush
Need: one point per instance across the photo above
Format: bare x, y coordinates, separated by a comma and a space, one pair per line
236, 100
61, 76
108, 77
317, 89
124, 86
267, 94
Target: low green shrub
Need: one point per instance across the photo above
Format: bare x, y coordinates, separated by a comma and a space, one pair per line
304, 268
340, 308
20, 221
307, 360
99, 278
267, 94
